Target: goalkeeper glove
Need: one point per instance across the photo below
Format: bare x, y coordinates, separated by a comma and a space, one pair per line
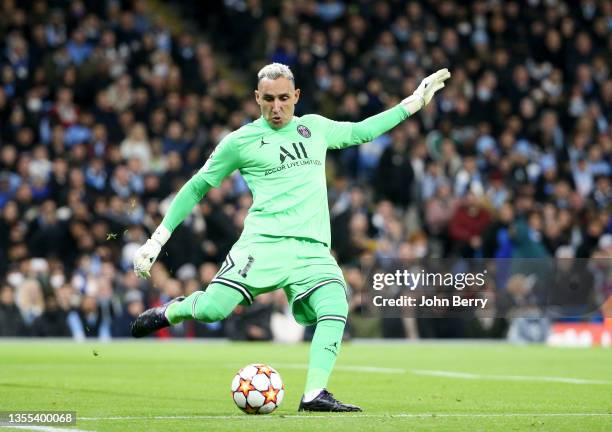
147, 253
425, 91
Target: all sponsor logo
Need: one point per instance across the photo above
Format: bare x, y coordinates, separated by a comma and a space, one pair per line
295, 154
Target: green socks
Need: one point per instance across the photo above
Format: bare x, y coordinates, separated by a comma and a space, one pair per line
214, 304
329, 302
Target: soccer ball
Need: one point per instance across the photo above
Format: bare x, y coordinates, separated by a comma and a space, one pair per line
257, 389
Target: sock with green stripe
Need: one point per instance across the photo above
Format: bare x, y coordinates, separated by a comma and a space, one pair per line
329, 303
214, 304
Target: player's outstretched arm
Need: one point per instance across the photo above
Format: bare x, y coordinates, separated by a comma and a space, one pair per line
345, 134
377, 125
187, 197
222, 162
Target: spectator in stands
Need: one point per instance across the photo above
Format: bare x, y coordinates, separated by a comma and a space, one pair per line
11, 321
53, 322
467, 225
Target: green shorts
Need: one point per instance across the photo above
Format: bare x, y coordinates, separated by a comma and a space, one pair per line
258, 264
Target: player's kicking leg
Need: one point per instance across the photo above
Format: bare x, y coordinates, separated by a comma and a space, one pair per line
331, 308
214, 304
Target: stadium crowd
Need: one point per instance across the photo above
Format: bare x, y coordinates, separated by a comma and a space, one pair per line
105, 112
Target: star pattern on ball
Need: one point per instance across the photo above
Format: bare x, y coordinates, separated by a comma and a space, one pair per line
245, 387
270, 395
264, 370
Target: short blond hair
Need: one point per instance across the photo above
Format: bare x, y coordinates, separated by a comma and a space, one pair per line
274, 71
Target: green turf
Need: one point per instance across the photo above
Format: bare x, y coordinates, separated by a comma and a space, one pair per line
106, 382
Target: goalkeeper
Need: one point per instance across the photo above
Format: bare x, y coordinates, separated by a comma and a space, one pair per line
286, 238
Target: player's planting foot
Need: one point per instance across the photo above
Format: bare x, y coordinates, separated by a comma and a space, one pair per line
152, 319
325, 402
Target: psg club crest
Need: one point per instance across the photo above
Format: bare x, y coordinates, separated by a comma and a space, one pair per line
304, 131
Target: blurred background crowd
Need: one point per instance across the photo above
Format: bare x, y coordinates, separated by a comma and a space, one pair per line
108, 107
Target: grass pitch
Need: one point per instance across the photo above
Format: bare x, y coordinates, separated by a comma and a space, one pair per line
158, 386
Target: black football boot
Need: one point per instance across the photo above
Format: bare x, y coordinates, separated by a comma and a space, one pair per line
325, 402
152, 319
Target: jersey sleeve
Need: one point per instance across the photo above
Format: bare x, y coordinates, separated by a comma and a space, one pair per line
224, 160
345, 134
185, 200
336, 133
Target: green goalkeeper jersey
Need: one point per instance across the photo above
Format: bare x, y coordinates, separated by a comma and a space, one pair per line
285, 171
